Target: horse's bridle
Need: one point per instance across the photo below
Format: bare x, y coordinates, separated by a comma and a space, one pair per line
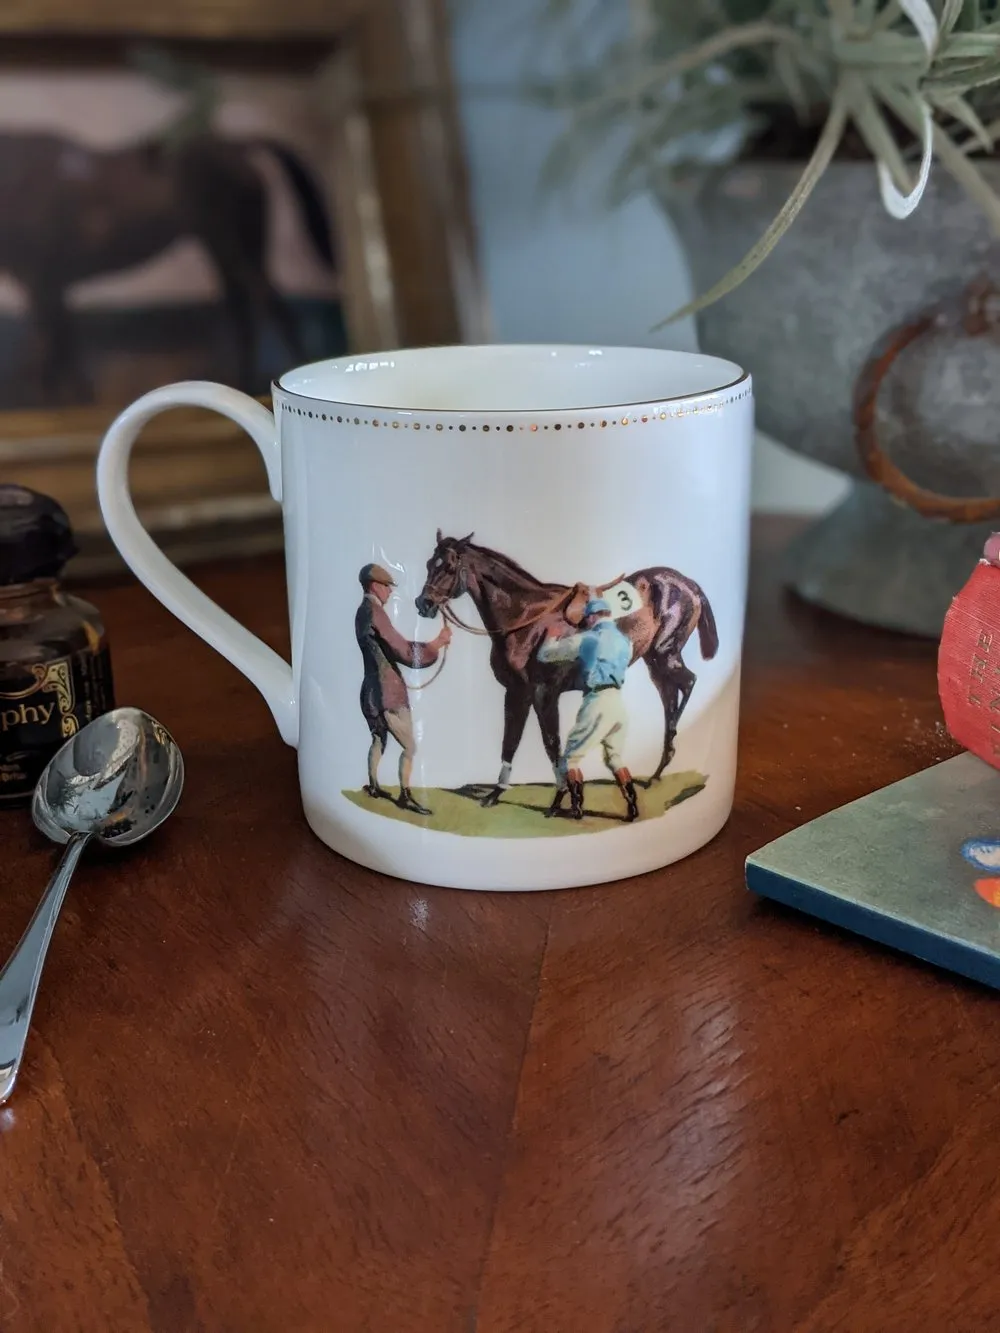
448, 618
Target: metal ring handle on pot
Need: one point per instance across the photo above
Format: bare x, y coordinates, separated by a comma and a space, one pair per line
977, 314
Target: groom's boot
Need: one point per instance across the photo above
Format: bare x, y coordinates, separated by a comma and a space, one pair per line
556, 807
574, 781
627, 788
407, 802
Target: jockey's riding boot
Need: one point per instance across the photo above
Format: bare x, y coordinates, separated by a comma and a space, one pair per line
627, 788
557, 801
575, 784
406, 802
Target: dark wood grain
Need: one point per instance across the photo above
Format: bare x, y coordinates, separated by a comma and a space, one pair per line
268, 1090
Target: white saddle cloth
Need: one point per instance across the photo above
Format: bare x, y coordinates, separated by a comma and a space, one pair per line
623, 598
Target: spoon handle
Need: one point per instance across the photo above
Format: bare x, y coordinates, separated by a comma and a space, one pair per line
23, 969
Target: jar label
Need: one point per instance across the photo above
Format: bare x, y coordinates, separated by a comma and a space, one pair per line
38, 713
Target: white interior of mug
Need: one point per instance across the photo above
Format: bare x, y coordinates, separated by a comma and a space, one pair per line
512, 378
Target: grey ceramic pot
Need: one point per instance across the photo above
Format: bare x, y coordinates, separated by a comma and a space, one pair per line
804, 325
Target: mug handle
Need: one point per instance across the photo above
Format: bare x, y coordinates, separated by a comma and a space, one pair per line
270, 673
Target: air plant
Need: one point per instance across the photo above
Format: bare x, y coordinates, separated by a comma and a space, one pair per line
693, 80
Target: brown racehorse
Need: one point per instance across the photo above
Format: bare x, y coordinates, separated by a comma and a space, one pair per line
72, 212
517, 610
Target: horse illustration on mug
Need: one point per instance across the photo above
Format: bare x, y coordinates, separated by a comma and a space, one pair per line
657, 609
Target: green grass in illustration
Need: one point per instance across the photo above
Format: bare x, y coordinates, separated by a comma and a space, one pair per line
521, 812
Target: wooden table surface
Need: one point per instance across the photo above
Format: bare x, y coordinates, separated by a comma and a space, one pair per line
268, 1090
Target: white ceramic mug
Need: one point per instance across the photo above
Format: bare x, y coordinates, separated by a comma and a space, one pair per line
481, 545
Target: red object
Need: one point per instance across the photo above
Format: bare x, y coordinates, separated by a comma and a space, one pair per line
989, 891
969, 660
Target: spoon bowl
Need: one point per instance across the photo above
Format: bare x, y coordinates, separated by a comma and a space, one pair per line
115, 781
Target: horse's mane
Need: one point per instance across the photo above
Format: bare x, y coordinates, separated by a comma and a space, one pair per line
512, 567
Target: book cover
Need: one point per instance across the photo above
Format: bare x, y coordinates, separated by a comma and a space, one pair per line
915, 866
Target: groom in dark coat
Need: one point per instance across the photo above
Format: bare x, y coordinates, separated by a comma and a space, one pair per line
385, 700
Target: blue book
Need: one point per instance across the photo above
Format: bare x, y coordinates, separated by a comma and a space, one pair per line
915, 866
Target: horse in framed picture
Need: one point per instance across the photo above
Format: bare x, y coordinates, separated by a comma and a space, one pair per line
83, 213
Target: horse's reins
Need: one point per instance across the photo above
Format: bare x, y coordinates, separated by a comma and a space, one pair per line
431, 679
450, 618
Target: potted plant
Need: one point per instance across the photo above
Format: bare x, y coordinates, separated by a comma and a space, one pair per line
829, 164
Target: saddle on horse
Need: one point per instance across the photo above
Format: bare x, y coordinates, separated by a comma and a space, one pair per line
622, 597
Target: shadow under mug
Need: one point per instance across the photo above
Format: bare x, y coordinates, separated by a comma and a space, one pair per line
516, 580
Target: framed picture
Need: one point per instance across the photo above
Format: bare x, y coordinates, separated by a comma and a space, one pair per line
192, 207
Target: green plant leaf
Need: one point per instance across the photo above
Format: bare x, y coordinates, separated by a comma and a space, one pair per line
721, 44
572, 149
992, 129
963, 78
843, 13
972, 45
965, 173
882, 49
874, 129
951, 12
959, 109
792, 77
887, 16
953, 160
826, 146
661, 140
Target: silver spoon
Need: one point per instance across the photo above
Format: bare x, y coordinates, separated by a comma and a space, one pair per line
116, 780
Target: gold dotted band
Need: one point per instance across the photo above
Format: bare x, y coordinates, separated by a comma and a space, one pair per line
664, 412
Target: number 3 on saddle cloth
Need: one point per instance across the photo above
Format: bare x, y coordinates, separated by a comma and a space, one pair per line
969, 660
623, 598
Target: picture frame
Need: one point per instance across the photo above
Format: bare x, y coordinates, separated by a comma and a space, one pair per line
380, 77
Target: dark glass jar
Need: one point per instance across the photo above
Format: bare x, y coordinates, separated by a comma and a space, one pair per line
55, 664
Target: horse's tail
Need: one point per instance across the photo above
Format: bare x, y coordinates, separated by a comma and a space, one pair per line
309, 197
708, 634
677, 601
